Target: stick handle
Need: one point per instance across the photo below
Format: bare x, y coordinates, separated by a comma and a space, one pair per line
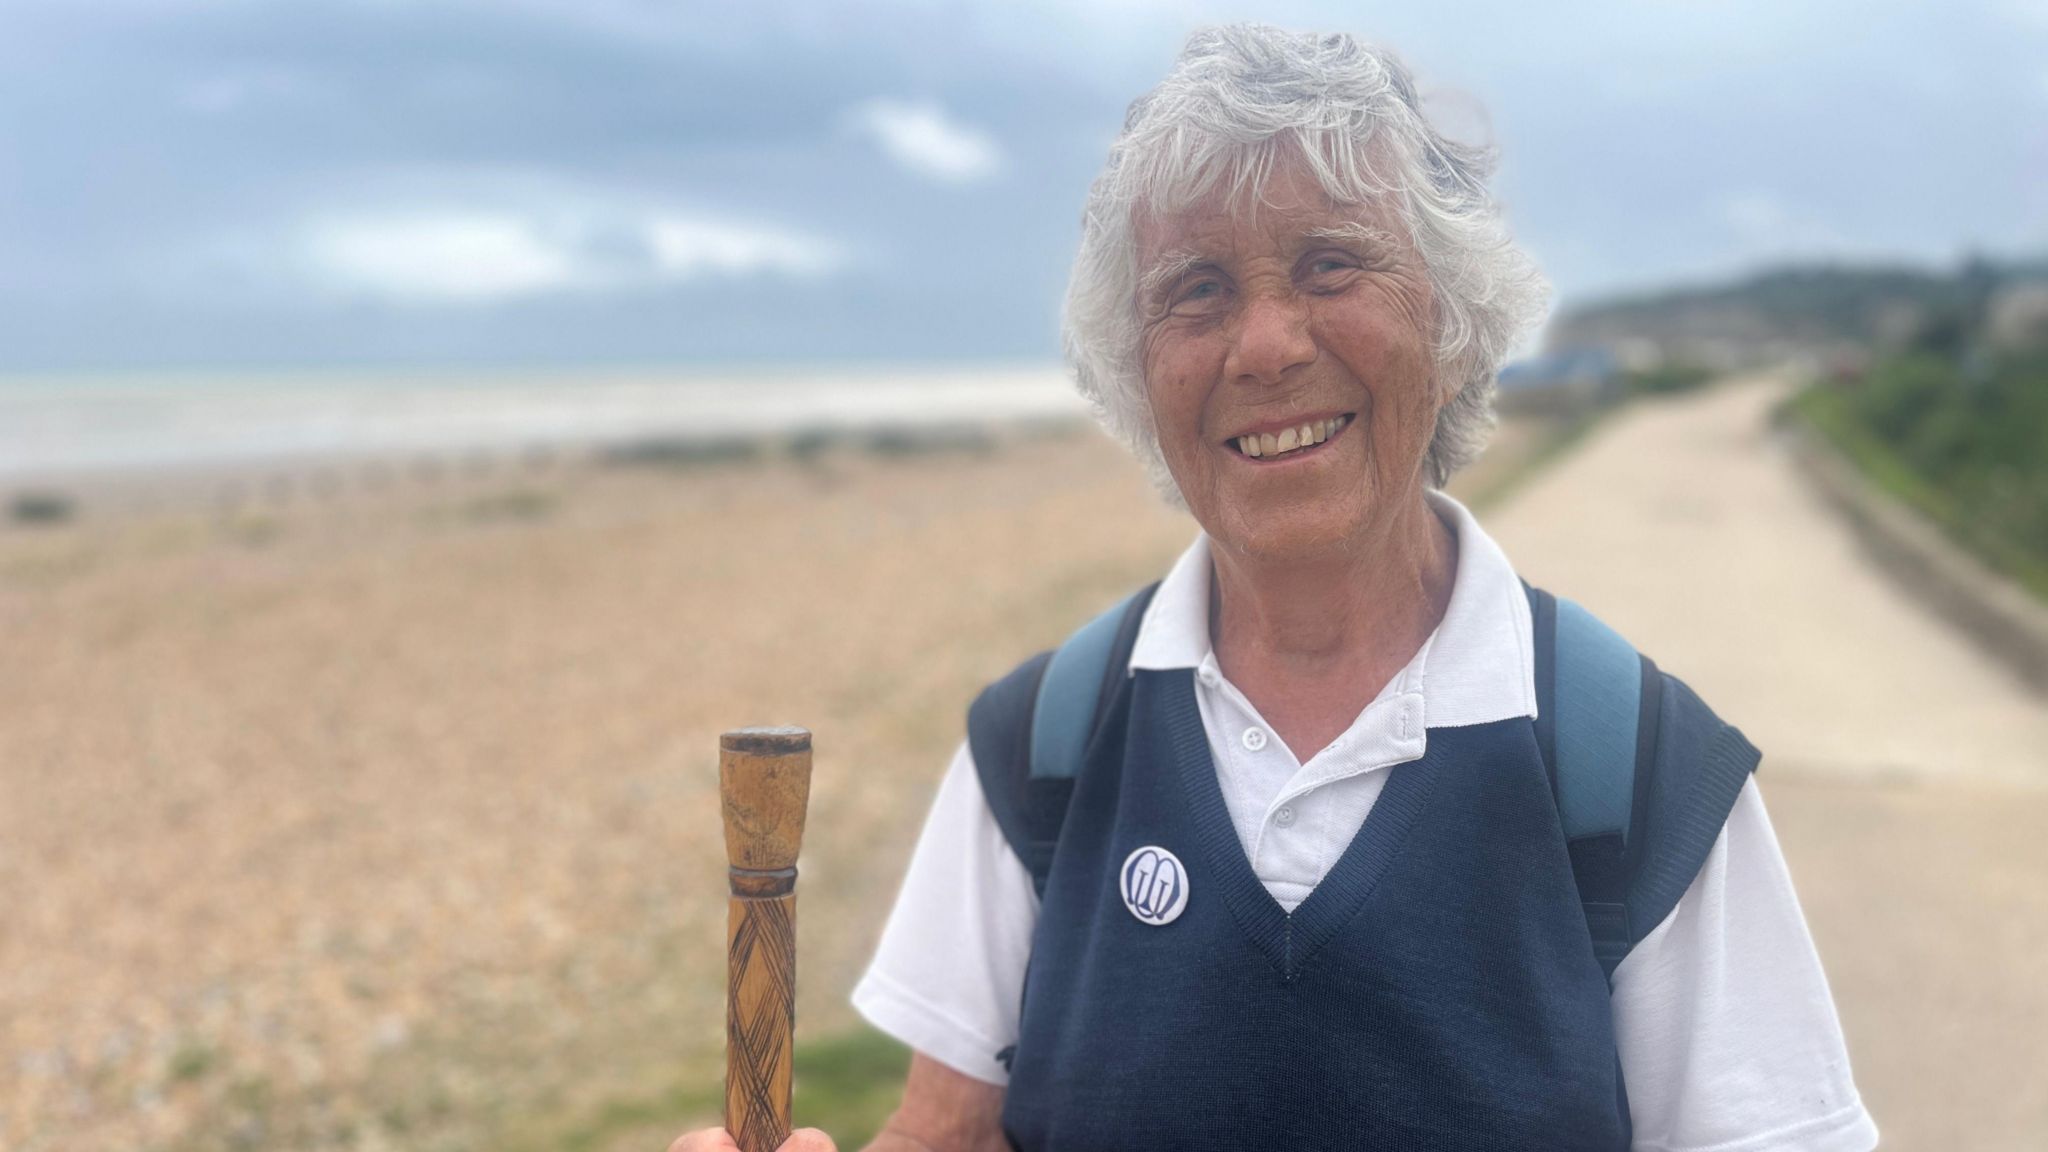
764, 785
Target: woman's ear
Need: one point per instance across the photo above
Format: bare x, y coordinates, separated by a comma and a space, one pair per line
1447, 376
1449, 380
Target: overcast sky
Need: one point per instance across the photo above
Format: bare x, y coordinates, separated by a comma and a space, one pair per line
306, 182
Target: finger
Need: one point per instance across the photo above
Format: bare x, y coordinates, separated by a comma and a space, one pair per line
704, 1140
808, 1140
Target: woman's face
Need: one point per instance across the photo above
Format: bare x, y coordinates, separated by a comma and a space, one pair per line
1259, 320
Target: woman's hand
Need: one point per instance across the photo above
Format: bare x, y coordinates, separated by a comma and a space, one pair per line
718, 1140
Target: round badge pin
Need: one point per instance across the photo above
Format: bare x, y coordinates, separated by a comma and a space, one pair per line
1155, 885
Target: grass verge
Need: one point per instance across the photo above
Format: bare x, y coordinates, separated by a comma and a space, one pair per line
846, 1084
1548, 446
1827, 412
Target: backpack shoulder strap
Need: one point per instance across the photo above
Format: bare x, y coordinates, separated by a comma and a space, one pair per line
1030, 731
1596, 735
1644, 774
1702, 764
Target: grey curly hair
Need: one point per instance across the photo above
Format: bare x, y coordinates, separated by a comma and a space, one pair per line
1235, 97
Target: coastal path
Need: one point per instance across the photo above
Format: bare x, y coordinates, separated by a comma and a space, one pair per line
1906, 772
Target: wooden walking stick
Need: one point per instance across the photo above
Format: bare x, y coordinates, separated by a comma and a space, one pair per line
764, 784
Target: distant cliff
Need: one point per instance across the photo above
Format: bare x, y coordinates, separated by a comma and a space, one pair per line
1811, 313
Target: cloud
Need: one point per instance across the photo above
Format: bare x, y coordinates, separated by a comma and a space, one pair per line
1758, 215
232, 89
582, 159
924, 139
462, 255
1764, 225
689, 247
446, 256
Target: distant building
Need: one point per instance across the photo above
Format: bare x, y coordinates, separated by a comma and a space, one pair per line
2019, 316
1564, 380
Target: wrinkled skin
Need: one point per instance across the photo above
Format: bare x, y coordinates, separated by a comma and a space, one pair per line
1330, 570
1272, 322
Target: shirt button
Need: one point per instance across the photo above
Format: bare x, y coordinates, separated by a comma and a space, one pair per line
1254, 739
1209, 677
1284, 817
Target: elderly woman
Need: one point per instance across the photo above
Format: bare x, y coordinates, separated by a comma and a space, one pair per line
1342, 836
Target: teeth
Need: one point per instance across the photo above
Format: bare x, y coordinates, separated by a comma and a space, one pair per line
1291, 439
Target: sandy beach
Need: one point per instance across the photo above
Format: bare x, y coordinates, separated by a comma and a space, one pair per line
389, 820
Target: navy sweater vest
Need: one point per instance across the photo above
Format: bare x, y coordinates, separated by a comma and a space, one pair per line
1437, 990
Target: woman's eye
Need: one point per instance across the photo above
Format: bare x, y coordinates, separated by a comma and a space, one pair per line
1328, 275
1199, 293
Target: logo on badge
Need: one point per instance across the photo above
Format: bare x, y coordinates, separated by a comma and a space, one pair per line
1155, 885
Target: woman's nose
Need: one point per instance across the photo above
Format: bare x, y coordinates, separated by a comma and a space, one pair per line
1272, 336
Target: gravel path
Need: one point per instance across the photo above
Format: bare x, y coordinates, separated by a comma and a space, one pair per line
1906, 772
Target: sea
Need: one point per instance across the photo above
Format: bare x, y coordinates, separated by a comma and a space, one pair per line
55, 429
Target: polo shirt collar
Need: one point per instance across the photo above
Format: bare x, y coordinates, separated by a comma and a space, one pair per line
1477, 667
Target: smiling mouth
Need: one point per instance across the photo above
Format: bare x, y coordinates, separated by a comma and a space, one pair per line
1295, 441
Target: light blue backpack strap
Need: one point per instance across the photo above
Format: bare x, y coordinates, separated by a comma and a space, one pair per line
1064, 714
1597, 695
1645, 775
1030, 731
1597, 726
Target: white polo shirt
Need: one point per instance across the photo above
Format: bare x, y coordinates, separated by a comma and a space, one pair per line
1722, 1017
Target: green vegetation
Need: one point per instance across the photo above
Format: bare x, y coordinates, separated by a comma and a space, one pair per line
846, 1084
1815, 305
1841, 302
42, 508
191, 1061
1670, 377
1958, 433
919, 441
1558, 436
521, 504
685, 452
256, 530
